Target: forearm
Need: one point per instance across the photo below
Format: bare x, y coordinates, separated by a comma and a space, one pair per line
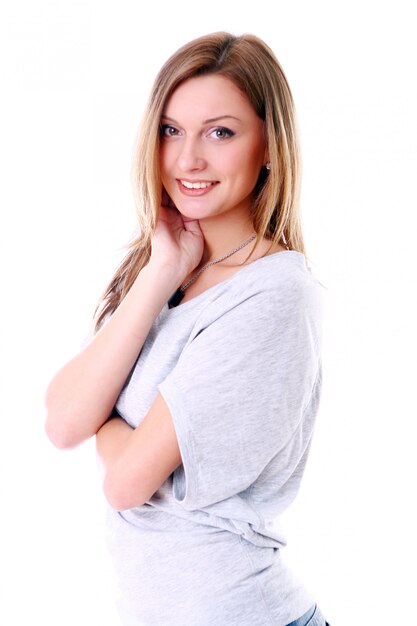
111, 440
112, 443
137, 461
82, 395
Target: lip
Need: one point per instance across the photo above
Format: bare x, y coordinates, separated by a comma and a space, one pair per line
196, 192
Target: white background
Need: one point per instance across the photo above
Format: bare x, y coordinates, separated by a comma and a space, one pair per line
74, 79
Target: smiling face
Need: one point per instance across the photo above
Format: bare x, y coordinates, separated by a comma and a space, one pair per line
212, 148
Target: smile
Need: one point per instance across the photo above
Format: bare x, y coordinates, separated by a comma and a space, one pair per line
195, 188
197, 185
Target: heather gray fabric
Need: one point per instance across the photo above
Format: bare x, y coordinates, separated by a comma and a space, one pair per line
240, 368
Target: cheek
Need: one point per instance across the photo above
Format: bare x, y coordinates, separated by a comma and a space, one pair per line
166, 159
249, 171
247, 162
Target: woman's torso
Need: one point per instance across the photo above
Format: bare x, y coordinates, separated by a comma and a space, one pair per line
217, 564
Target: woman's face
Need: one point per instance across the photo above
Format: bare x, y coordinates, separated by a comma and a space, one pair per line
212, 149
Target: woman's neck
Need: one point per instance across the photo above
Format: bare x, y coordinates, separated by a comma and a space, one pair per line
223, 235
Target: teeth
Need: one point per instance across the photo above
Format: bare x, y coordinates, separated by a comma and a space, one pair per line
189, 185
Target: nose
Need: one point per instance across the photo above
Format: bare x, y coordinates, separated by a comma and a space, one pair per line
191, 157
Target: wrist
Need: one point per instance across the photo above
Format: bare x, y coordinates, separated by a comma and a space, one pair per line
153, 288
165, 274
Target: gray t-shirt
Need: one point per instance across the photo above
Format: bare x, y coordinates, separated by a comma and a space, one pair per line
239, 367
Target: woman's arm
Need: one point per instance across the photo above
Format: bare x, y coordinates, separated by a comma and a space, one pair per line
82, 395
135, 462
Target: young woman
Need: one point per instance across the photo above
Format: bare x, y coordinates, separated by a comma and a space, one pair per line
202, 379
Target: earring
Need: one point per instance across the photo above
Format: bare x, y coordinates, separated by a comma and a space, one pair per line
268, 165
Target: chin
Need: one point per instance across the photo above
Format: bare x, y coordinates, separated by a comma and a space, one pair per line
196, 212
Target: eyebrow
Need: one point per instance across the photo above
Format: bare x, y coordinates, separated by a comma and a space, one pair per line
209, 121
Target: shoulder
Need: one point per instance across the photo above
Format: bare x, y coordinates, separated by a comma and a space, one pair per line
278, 278
278, 282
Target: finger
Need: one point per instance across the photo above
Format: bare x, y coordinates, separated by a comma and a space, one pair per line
192, 225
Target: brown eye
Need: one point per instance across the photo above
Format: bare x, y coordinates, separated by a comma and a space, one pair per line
222, 133
168, 131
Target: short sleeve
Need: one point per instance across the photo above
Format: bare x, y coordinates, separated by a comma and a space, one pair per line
240, 389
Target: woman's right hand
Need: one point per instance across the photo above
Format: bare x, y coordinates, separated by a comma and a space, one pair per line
178, 241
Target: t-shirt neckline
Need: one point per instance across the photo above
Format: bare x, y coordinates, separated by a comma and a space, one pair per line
196, 299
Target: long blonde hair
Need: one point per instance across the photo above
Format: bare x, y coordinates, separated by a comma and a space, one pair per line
252, 66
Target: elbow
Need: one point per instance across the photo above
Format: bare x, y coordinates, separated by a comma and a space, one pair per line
60, 435
63, 427
57, 425
119, 493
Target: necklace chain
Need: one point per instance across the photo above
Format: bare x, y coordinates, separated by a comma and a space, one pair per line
225, 256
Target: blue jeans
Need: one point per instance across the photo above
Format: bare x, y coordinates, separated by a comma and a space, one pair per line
313, 617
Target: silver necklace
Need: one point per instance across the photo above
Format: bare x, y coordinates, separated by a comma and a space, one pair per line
176, 298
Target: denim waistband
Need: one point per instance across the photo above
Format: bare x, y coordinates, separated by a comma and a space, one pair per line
302, 621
